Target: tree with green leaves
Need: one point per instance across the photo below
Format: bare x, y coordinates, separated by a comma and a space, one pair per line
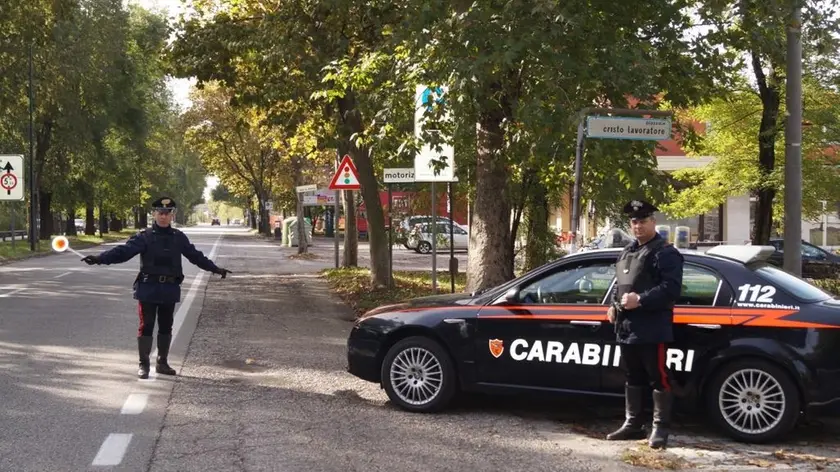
756, 31
103, 141
734, 121
317, 55
518, 74
235, 145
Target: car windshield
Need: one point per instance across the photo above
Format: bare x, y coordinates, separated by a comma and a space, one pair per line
792, 284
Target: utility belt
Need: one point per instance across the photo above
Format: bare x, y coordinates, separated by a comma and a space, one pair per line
160, 279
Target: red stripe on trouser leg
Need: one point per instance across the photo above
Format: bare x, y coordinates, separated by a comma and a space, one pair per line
663, 373
140, 315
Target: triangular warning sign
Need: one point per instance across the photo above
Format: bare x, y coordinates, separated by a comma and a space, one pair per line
346, 177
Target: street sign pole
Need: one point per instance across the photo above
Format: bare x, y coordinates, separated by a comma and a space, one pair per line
576, 191
33, 237
451, 238
611, 134
13, 207
390, 237
346, 178
390, 177
434, 240
335, 216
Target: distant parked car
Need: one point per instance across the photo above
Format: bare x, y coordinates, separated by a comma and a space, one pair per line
420, 238
817, 263
410, 223
215, 222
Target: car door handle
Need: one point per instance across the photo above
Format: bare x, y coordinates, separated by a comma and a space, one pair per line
586, 323
705, 326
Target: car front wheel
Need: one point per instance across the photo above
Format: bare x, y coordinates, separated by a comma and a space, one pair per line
424, 247
753, 400
418, 375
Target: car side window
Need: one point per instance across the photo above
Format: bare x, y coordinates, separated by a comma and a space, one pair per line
581, 283
699, 286
812, 252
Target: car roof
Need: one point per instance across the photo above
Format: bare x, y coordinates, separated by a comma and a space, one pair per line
740, 254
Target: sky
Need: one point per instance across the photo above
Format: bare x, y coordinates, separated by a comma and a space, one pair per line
180, 87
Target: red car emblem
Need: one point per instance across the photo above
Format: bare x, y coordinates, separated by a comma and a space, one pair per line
497, 347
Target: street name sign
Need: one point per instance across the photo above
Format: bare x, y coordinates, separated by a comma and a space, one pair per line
398, 176
645, 129
306, 188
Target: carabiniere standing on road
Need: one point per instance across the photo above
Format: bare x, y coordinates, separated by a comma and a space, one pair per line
649, 280
157, 287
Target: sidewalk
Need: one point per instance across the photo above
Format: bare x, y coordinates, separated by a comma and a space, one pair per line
264, 388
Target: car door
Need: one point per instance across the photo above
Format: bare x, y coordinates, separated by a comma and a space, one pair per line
547, 337
702, 326
462, 240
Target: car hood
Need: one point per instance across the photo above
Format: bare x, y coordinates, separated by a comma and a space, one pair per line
432, 301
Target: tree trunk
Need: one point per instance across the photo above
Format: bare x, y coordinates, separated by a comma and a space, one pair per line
540, 239
43, 198
103, 221
528, 178
769, 91
115, 223
70, 224
44, 204
377, 236
144, 218
90, 218
253, 217
489, 263
301, 227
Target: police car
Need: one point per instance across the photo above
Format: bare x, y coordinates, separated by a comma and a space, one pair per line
754, 346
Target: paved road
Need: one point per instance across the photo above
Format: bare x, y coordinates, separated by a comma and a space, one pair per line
68, 362
263, 384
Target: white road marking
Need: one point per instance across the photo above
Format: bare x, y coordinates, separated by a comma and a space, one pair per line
185, 307
62, 275
135, 404
113, 449
9, 294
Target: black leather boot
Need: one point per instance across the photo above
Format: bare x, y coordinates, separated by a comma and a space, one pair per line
162, 366
662, 404
633, 424
144, 348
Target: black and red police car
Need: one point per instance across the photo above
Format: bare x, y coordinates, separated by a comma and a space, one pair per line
755, 347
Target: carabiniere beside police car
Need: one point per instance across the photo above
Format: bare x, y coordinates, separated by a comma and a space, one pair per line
755, 347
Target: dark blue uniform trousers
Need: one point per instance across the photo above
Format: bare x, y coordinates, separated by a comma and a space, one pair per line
148, 312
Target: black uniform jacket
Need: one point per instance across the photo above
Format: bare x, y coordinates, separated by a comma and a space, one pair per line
658, 281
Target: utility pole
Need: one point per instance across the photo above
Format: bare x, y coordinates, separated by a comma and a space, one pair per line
33, 209
792, 259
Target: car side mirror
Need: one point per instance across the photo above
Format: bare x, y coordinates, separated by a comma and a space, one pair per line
512, 295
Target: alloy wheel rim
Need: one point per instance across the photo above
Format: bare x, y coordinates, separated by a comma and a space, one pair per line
417, 376
752, 401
